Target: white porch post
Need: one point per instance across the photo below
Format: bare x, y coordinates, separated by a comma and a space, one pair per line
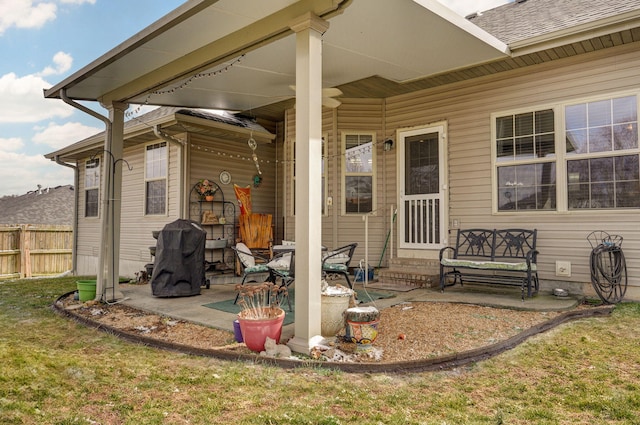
308, 156
107, 288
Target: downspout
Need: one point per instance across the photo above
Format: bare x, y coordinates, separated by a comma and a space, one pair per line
106, 190
183, 169
76, 183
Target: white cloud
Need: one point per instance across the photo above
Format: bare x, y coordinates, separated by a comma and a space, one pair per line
58, 136
78, 1
25, 14
11, 144
22, 100
20, 173
62, 61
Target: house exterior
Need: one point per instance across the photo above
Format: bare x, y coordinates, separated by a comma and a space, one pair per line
524, 116
159, 174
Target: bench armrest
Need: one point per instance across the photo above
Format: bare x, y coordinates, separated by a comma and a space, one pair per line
448, 248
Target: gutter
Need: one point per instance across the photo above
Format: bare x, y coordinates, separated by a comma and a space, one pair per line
157, 131
76, 185
589, 30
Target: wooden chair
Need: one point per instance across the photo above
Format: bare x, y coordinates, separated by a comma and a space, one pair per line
257, 234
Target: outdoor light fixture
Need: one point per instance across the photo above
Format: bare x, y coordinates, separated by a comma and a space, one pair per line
388, 144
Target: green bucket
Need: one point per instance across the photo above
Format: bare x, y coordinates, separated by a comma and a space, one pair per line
86, 290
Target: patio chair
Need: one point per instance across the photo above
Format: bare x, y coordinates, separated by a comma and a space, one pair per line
255, 264
256, 233
283, 268
250, 263
337, 262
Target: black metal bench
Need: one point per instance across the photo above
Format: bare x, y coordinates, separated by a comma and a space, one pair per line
506, 257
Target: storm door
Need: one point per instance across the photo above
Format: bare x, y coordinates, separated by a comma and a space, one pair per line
422, 188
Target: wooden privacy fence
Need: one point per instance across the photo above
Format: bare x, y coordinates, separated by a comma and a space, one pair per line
35, 250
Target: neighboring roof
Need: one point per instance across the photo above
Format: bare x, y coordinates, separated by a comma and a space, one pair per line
171, 120
52, 206
526, 19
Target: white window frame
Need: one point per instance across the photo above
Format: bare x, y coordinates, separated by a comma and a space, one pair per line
154, 178
92, 182
345, 174
561, 156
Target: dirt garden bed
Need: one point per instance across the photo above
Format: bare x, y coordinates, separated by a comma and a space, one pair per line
430, 334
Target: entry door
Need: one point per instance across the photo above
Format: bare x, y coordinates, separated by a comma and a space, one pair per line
422, 188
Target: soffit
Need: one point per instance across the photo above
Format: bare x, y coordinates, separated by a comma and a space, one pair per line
400, 41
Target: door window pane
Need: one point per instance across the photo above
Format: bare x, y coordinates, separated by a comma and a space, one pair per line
422, 164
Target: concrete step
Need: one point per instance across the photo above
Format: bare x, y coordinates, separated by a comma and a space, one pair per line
411, 272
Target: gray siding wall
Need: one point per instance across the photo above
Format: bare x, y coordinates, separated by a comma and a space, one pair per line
467, 108
204, 158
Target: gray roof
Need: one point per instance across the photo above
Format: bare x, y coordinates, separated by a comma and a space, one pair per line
44, 206
521, 20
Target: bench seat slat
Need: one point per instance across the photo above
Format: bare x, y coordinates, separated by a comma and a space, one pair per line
487, 265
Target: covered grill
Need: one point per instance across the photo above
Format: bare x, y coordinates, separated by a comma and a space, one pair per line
179, 260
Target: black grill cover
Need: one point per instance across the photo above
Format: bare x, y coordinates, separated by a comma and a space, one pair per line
179, 262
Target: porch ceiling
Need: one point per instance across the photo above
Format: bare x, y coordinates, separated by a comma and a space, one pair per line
399, 42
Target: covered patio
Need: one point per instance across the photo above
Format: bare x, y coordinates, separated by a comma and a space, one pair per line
245, 56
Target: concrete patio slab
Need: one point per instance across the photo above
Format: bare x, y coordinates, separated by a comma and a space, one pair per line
192, 308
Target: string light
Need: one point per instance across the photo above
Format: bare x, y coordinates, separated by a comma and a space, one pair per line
184, 84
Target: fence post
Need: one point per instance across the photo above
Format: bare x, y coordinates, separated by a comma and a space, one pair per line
25, 252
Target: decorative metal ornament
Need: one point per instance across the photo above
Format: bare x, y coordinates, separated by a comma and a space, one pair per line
225, 177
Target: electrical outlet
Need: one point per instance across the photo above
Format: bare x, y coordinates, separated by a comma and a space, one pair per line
329, 201
563, 268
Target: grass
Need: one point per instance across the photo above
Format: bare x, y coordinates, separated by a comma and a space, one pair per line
54, 371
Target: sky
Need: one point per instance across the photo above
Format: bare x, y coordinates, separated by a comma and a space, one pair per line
44, 41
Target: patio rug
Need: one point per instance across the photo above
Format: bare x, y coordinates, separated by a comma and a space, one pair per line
229, 307
391, 286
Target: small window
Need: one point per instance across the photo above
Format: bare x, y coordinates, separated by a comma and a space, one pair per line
359, 173
156, 179
91, 187
525, 158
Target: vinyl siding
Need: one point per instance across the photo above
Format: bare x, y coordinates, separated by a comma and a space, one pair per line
338, 229
206, 158
467, 108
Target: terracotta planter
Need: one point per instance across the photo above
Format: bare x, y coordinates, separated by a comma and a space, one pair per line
208, 198
256, 331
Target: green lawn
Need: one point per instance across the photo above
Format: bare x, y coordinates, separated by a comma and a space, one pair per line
54, 371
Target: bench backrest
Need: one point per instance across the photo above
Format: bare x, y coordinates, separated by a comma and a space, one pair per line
514, 243
495, 244
475, 243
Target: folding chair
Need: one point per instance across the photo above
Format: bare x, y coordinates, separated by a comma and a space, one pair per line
337, 262
248, 264
283, 268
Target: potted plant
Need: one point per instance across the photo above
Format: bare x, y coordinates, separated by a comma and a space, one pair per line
261, 315
206, 190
